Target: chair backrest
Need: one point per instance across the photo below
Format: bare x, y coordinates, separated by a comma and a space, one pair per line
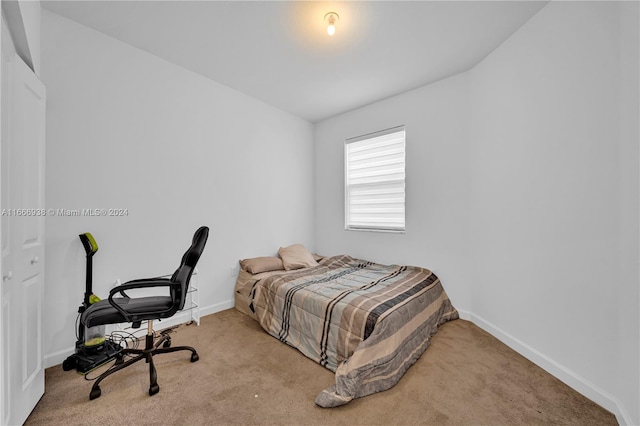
190, 258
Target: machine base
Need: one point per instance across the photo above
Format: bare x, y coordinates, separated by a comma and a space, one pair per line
85, 360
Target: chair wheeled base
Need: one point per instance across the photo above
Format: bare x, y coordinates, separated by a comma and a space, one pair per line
135, 310
150, 350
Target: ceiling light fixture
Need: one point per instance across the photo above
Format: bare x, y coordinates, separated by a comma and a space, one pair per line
331, 18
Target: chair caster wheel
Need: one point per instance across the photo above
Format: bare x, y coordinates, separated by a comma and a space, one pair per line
95, 393
194, 357
167, 343
154, 389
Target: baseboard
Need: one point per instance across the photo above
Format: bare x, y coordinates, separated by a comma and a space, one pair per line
222, 306
183, 317
562, 373
57, 358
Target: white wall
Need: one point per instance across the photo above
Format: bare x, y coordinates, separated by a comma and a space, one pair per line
628, 326
437, 183
23, 18
546, 197
522, 194
31, 16
126, 129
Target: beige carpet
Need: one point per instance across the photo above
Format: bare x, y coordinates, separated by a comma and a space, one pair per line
244, 376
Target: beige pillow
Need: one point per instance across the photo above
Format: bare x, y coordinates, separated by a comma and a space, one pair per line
256, 265
296, 257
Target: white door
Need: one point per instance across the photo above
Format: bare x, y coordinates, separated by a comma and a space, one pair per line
5, 231
23, 127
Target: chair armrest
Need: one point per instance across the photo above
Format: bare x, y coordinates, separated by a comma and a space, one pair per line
121, 290
135, 284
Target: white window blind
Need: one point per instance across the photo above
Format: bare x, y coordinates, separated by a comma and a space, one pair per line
375, 181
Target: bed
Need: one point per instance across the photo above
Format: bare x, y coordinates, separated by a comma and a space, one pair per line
366, 322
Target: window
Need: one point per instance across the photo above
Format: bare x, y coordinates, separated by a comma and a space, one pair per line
374, 181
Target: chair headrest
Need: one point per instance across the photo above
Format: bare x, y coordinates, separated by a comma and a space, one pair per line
192, 255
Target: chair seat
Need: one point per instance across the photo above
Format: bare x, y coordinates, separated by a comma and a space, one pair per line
147, 308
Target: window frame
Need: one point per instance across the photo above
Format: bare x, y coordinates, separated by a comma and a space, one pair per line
377, 227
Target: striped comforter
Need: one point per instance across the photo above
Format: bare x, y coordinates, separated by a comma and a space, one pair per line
364, 321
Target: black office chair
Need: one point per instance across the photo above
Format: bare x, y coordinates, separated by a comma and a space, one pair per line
135, 310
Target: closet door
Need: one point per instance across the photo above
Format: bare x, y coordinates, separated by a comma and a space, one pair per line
22, 177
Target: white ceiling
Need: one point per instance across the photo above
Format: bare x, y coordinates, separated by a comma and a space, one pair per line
279, 51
